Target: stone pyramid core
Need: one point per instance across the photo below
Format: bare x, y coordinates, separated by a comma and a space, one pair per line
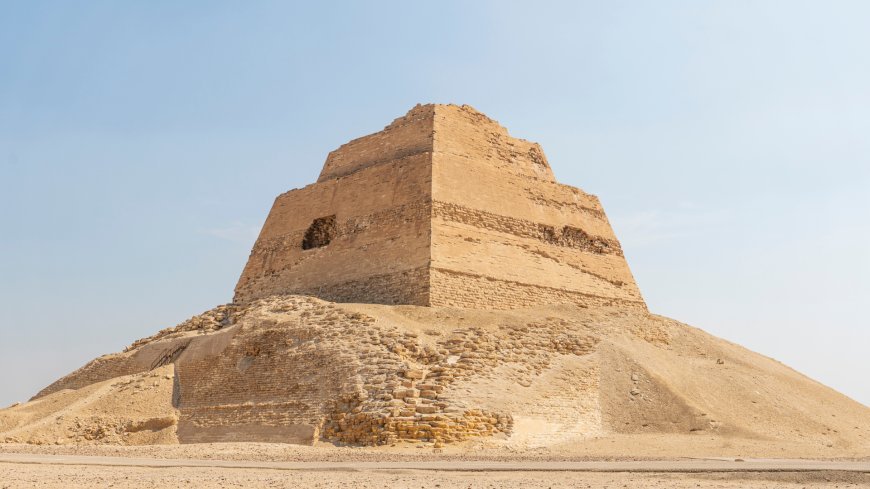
536, 342
441, 208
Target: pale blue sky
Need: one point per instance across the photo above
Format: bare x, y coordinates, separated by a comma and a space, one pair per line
142, 144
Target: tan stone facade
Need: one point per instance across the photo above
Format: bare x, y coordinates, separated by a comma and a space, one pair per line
441, 208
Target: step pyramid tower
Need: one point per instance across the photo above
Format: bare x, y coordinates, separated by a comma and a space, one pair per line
441, 208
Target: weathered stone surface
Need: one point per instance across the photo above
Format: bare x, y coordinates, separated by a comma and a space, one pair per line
441, 208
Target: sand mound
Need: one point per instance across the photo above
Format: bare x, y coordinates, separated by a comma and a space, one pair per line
301, 370
133, 409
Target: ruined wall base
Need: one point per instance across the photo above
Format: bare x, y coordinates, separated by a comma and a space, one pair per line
407, 287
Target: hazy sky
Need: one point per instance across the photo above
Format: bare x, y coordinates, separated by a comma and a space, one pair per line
142, 144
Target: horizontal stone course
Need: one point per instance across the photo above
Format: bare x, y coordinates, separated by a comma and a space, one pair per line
467, 290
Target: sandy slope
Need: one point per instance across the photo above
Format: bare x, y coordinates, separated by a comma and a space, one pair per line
133, 409
572, 382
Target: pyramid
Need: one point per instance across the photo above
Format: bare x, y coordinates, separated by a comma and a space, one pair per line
441, 208
437, 286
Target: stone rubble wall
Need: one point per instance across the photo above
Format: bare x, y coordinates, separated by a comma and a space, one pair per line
298, 369
311, 370
565, 236
422, 400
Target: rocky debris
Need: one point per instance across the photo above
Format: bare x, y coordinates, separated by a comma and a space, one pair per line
207, 322
378, 375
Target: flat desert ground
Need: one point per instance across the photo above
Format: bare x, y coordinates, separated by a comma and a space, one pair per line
278, 465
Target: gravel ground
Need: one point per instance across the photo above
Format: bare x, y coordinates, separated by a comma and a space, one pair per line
73, 476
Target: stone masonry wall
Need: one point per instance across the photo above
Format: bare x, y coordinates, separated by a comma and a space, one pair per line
467, 134
466, 290
408, 135
505, 234
444, 189
382, 230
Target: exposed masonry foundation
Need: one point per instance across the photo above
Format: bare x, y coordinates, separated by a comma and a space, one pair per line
406, 287
481, 292
442, 207
296, 369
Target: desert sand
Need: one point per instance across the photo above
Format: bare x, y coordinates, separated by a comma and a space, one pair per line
42, 470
